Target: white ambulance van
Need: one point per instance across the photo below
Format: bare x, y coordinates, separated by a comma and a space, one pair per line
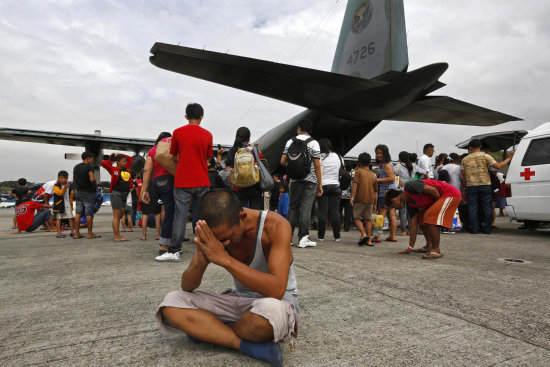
529, 179
528, 173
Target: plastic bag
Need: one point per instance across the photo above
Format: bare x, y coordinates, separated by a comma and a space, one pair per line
377, 225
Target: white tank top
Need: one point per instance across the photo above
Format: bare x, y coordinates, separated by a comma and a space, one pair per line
259, 263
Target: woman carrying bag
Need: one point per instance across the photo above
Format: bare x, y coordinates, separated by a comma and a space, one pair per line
329, 202
251, 196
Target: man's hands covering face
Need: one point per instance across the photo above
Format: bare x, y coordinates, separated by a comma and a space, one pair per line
209, 245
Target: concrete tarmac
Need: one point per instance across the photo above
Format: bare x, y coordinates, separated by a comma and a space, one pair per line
66, 302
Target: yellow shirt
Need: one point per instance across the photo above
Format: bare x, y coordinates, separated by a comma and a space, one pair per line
476, 168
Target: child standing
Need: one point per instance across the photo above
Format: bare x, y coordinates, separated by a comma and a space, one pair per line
127, 217
364, 193
63, 202
282, 208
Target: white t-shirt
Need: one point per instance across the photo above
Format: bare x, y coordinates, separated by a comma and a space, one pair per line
315, 152
331, 165
454, 174
426, 164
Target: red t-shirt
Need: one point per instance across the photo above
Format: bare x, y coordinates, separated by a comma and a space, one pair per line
138, 185
25, 214
193, 146
158, 169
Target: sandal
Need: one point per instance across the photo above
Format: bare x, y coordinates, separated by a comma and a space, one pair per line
60, 235
363, 241
390, 240
376, 241
407, 251
422, 250
432, 256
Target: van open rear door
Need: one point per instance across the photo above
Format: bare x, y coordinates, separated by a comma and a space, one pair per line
497, 141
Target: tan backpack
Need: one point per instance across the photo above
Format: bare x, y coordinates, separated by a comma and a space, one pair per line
244, 172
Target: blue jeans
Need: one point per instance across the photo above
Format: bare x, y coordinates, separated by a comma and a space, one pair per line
183, 198
85, 203
302, 196
480, 199
163, 186
39, 219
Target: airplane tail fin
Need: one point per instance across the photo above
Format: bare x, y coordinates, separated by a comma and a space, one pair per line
372, 40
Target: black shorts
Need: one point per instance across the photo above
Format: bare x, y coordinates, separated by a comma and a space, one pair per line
153, 208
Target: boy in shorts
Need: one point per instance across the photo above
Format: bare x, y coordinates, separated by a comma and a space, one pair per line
364, 192
63, 202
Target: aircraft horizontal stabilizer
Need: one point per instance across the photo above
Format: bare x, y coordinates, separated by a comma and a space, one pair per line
301, 86
447, 110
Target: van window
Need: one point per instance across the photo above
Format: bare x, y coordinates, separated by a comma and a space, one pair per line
537, 153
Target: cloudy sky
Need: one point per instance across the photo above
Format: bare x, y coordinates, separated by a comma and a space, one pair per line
76, 66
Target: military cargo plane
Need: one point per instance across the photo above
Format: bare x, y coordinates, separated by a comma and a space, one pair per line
368, 82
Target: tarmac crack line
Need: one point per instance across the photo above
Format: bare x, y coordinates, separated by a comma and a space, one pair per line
511, 359
79, 343
448, 314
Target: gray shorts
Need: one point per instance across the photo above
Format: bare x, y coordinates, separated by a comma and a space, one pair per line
118, 199
230, 307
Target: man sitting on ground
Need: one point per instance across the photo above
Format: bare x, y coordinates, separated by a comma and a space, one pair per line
430, 204
254, 247
28, 221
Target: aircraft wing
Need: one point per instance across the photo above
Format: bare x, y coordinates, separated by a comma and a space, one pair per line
301, 86
136, 145
447, 110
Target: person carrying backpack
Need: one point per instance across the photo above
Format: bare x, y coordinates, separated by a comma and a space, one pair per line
245, 174
301, 158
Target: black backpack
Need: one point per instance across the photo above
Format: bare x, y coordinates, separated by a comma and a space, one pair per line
345, 180
299, 160
345, 177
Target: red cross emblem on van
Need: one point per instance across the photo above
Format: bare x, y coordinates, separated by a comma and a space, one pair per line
527, 173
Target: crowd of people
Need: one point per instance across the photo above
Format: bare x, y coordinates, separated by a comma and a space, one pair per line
248, 230
316, 190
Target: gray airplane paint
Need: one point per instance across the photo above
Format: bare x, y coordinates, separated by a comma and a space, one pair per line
372, 39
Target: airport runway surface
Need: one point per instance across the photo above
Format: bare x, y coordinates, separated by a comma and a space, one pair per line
68, 302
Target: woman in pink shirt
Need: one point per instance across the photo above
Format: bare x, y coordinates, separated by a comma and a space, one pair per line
163, 187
